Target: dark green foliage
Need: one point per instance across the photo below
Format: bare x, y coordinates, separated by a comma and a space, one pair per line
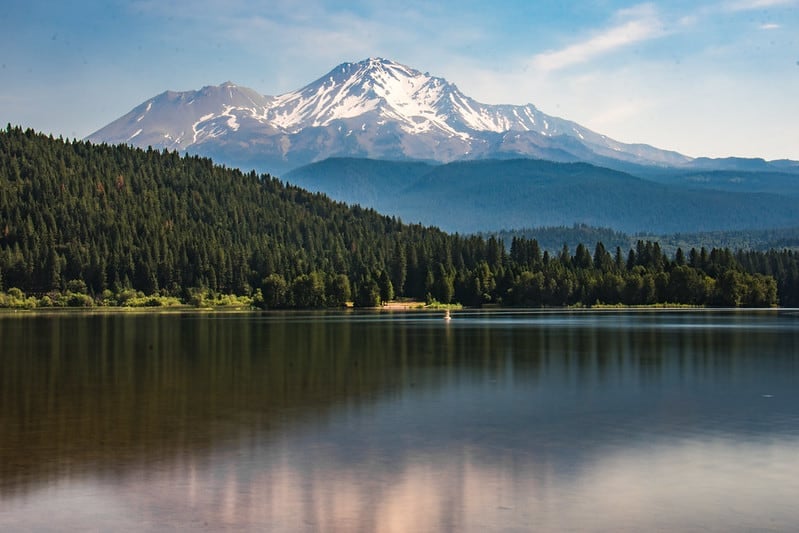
338, 291
118, 217
274, 291
308, 291
368, 293
386, 287
82, 224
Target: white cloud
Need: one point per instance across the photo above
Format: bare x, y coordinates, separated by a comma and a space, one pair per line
770, 26
645, 25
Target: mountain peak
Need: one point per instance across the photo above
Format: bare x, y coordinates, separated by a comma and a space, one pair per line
375, 89
375, 64
375, 108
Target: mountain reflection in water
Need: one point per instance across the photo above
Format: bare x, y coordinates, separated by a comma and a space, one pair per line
400, 422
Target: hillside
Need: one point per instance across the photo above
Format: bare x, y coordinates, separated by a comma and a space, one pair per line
117, 217
491, 195
781, 183
365, 182
85, 224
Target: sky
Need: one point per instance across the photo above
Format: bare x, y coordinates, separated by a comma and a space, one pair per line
709, 78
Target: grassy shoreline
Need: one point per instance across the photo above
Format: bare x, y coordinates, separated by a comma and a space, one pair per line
128, 301
390, 307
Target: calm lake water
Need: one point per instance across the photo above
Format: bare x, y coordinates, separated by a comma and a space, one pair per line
383, 422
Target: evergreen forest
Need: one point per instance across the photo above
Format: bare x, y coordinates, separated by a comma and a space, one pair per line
84, 224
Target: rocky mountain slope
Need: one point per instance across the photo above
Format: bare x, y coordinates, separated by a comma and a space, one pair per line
375, 108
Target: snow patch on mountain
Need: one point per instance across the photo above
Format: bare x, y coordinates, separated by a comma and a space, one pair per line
373, 108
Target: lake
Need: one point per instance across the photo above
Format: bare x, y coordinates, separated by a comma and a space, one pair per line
400, 422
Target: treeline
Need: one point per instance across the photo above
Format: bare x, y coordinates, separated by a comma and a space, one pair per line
119, 224
552, 238
645, 276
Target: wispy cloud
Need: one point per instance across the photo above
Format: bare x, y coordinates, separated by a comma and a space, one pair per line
636, 25
749, 5
770, 26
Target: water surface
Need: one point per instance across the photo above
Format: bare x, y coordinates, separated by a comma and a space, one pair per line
493, 421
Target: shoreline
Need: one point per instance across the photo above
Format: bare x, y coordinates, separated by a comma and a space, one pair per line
413, 307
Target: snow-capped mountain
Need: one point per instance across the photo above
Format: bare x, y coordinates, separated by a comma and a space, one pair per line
375, 108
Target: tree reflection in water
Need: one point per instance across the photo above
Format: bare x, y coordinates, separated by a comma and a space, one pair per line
399, 422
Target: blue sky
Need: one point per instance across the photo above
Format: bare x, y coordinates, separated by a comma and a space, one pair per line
714, 78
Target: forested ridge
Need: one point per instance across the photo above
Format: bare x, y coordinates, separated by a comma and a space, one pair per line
95, 224
491, 195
